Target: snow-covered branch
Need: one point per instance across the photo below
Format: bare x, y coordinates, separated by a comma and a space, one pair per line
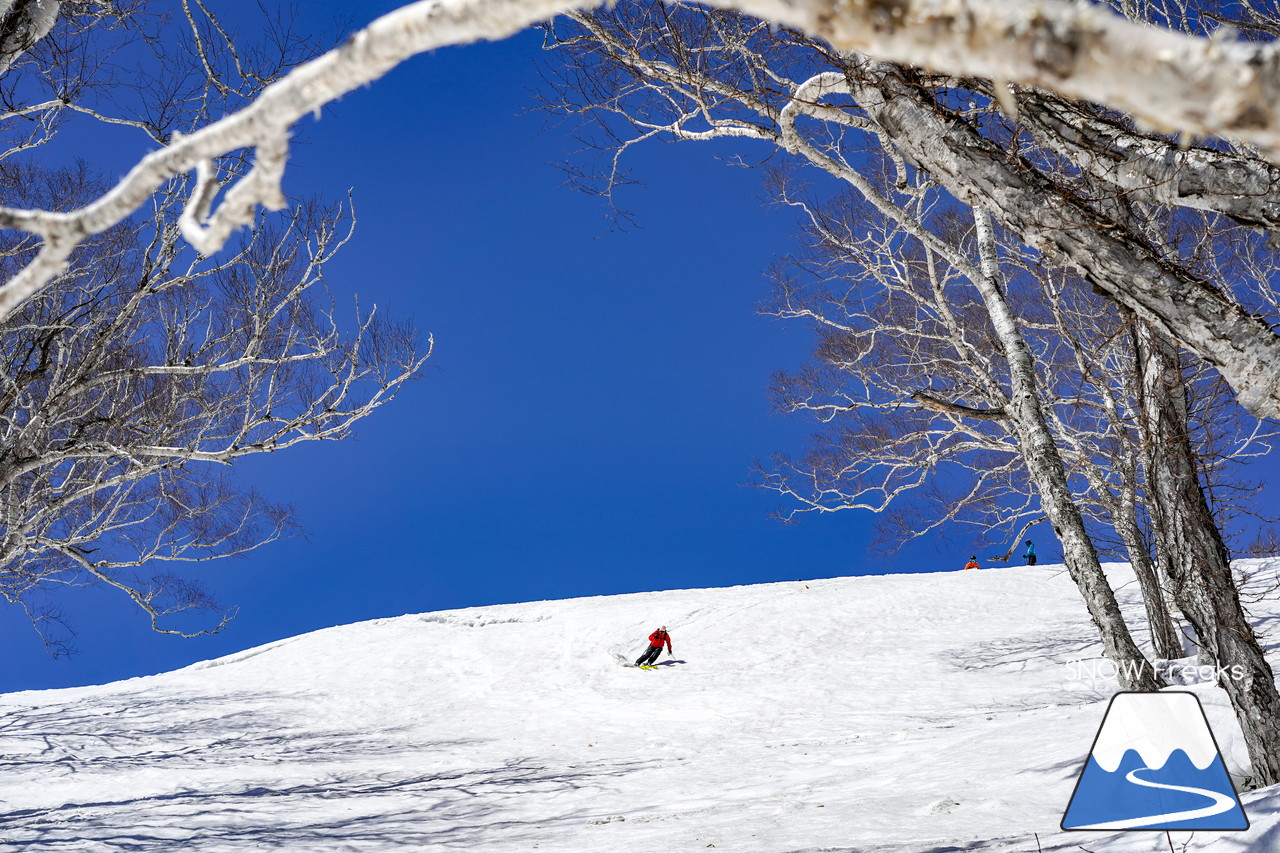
1165, 79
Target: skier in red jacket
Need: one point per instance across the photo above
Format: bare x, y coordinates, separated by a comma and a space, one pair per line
656, 640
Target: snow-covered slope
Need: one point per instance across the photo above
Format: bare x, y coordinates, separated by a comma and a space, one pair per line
929, 712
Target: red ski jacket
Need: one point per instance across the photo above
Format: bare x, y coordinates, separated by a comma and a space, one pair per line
658, 637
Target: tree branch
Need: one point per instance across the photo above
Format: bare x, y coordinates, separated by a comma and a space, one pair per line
928, 401
1168, 80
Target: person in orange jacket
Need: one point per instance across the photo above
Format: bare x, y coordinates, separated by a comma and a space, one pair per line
972, 564
656, 641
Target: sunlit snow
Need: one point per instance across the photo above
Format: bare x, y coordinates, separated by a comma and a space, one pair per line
922, 712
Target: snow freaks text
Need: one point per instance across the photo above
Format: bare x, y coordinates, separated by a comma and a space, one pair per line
1101, 669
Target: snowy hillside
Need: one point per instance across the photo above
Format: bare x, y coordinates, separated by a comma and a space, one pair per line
929, 712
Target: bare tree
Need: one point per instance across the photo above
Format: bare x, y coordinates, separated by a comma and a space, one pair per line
1090, 379
133, 381
928, 343
1265, 544
876, 353
130, 386
1196, 558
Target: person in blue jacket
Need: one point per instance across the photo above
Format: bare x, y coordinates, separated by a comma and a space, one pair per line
1030, 553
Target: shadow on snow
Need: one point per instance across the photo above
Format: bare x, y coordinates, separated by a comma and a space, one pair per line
238, 781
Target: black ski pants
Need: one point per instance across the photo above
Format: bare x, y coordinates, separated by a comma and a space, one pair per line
650, 655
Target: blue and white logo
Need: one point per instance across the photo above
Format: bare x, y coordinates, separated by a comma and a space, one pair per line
1154, 765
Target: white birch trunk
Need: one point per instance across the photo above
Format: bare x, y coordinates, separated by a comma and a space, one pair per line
1198, 561
1047, 470
1165, 638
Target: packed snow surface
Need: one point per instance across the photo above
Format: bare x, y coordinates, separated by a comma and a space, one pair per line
919, 712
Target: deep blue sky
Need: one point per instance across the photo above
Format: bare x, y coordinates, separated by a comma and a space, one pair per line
594, 404
592, 409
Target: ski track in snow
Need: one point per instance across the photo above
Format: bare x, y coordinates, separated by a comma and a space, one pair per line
927, 713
